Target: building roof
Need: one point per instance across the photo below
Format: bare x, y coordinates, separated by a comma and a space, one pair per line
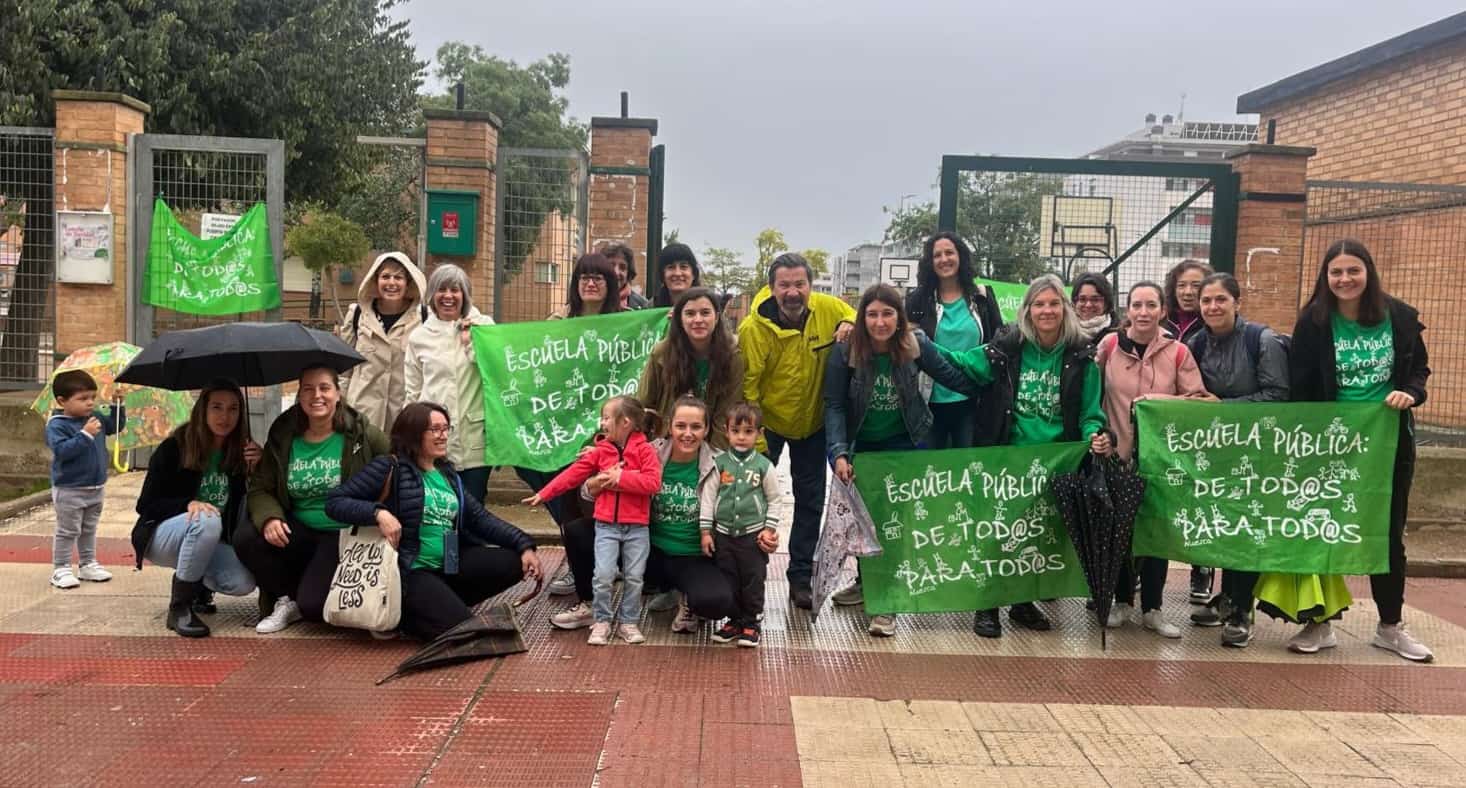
1169, 139
1307, 82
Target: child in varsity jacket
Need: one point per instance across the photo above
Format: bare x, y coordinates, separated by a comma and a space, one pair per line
737, 522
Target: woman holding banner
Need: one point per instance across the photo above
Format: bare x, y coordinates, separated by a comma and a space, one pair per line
389, 306
1139, 362
1240, 361
1183, 321
1354, 343
872, 396
441, 369
958, 314
1045, 389
697, 357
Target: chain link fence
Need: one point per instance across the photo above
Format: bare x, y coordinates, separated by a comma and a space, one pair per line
540, 229
27, 258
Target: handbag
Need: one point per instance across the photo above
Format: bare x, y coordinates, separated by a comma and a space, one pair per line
366, 590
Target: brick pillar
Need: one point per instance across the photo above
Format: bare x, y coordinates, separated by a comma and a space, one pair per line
1270, 213
620, 185
91, 175
462, 148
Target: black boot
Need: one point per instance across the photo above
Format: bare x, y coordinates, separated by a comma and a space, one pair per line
204, 601
985, 623
181, 618
1027, 614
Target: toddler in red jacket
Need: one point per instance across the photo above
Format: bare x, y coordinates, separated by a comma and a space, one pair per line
625, 472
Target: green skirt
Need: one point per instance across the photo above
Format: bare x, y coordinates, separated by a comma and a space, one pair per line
1302, 598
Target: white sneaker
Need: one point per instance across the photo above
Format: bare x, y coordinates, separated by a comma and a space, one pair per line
849, 597
1153, 621
684, 622
1313, 637
631, 633
664, 601
563, 584
286, 612
578, 617
1119, 615
882, 626
1397, 639
93, 572
390, 634
63, 577
600, 633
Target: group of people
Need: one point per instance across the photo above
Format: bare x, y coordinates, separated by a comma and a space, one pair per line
676, 493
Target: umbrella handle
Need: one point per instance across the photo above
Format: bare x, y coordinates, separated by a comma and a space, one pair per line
539, 583
117, 462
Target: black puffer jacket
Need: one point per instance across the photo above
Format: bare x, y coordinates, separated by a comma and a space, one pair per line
355, 503
1005, 353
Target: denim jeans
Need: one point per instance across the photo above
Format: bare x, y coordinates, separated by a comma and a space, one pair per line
954, 425
808, 465
194, 552
629, 544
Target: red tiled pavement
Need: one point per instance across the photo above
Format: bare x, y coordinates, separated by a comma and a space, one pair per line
36, 549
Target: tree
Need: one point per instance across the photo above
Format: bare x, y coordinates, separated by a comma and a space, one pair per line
384, 202
724, 272
998, 214
819, 260
670, 237
325, 241
531, 102
770, 243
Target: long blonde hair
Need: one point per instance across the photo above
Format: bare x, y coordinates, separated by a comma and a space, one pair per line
1070, 331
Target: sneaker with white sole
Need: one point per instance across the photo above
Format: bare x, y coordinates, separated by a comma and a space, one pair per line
63, 577
286, 612
630, 633
562, 585
1237, 632
578, 617
1119, 615
1315, 636
664, 601
1155, 622
882, 626
684, 622
849, 597
93, 573
600, 633
1399, 640
389, 634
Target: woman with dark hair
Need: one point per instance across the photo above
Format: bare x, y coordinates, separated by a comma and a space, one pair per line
872, 396
697, 357
390, 304
1183, 321
957, 314
1240, 361
677, 271
1044, 388
191, 501
452, 552
1355, 343
591, 289
1094, 303
292, 547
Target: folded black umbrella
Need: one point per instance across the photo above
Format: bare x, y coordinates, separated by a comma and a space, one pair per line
250, 354
1098, 506
494, 633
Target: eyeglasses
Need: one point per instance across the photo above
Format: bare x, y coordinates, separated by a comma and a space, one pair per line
592, 278
446, 429
1090, 300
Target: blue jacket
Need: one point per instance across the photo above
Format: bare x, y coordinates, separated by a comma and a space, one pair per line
355, 503
848, 391
78, 459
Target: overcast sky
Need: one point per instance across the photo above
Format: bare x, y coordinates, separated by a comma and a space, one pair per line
812, 116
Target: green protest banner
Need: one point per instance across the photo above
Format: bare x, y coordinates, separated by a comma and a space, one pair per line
1009, 295
967, 529
545, 382
1275, 487
228, 275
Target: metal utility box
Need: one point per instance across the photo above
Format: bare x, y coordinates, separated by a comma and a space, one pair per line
453, 222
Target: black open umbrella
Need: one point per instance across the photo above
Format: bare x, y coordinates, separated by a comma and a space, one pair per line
250, 354
1098, 506
494, 633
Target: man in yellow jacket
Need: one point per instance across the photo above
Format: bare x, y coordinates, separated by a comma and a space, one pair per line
784, 342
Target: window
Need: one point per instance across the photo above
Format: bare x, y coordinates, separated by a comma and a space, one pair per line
1184, 184
546, 273
1182, 250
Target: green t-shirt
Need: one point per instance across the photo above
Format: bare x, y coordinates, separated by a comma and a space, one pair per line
1037, 414
214, 484
883, 413
439, 511
1364, 359
315, 469
675, 511
704, 371
956, 331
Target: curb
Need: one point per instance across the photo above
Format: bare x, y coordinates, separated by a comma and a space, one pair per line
25, 503
1436, 567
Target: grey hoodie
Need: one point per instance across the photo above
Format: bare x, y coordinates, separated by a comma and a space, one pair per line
1228, 371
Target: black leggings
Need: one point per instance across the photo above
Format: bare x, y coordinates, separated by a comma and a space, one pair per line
708, 593
301, 570
433, 603
1388, 590
1152, 583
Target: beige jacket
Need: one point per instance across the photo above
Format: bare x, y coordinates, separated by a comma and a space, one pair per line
441, 369
376, 389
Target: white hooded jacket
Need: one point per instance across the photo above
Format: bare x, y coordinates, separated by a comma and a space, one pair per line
377, 388
441, 368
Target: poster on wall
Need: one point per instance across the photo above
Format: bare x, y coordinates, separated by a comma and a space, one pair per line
84, 247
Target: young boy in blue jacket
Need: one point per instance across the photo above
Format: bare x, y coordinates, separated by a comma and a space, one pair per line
77, 440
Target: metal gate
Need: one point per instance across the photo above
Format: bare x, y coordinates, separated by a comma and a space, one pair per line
1130, 220
27, 257
539, 229
196, 176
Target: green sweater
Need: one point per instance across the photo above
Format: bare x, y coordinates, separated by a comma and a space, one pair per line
742, 499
